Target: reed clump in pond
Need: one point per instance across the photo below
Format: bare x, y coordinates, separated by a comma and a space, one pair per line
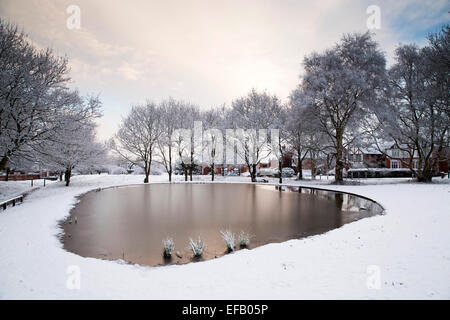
197, 247
244, 239
229, 238
168, 247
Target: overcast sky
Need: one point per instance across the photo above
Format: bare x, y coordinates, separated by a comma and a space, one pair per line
208, 52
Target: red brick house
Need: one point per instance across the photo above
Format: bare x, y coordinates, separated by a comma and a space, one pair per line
365, 158
399, 159
22, 175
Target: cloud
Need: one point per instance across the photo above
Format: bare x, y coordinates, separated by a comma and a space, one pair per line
208, 52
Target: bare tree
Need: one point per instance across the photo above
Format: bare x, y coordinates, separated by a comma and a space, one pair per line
138, 136
343, 83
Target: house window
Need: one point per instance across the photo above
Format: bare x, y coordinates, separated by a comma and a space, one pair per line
356, 157
396, 153
395, 164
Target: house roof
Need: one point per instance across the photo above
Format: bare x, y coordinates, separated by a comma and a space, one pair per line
370, 150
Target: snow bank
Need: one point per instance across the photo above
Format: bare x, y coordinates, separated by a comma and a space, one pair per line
409, 249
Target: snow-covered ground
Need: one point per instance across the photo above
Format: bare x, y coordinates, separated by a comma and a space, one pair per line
406, 252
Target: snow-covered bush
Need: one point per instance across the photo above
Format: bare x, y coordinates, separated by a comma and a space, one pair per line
117, 170
168, 246
244, 239
197, 247
228, 237
155, 172
138, 171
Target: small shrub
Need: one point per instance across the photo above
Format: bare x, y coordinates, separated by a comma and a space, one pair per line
244, 239
197, 247
228, 237
168, 246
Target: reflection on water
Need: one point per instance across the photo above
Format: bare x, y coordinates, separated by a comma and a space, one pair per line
130, 222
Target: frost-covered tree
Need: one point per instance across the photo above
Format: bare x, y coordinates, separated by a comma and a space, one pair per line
320, 150
305, 133
296, 127
193, 115
416, 115
343, 84
171, 120
279, 137
213, 142
33, 95
138, 135
183, 138
74, 147
251, 116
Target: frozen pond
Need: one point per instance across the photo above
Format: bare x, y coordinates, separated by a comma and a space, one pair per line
130, 222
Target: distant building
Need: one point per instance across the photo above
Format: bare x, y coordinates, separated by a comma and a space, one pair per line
15, 175
365, 158
397, 158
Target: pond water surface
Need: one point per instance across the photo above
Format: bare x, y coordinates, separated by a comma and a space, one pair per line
130, 222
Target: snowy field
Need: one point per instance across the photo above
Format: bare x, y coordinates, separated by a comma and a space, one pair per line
404, 254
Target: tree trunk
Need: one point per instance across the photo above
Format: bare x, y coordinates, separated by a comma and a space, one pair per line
300, 167
61, 176
313, 169
339, 179
253, 173
170, 164
147, 172
3, 163
426, 174
67, 176
191, 166
7, 173
280, 168
212, 172
185, 173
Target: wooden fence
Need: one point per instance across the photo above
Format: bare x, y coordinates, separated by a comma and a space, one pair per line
12, 202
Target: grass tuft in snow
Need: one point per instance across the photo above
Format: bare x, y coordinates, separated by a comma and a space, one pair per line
228, 237
197, 247
244, 239
168, 246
